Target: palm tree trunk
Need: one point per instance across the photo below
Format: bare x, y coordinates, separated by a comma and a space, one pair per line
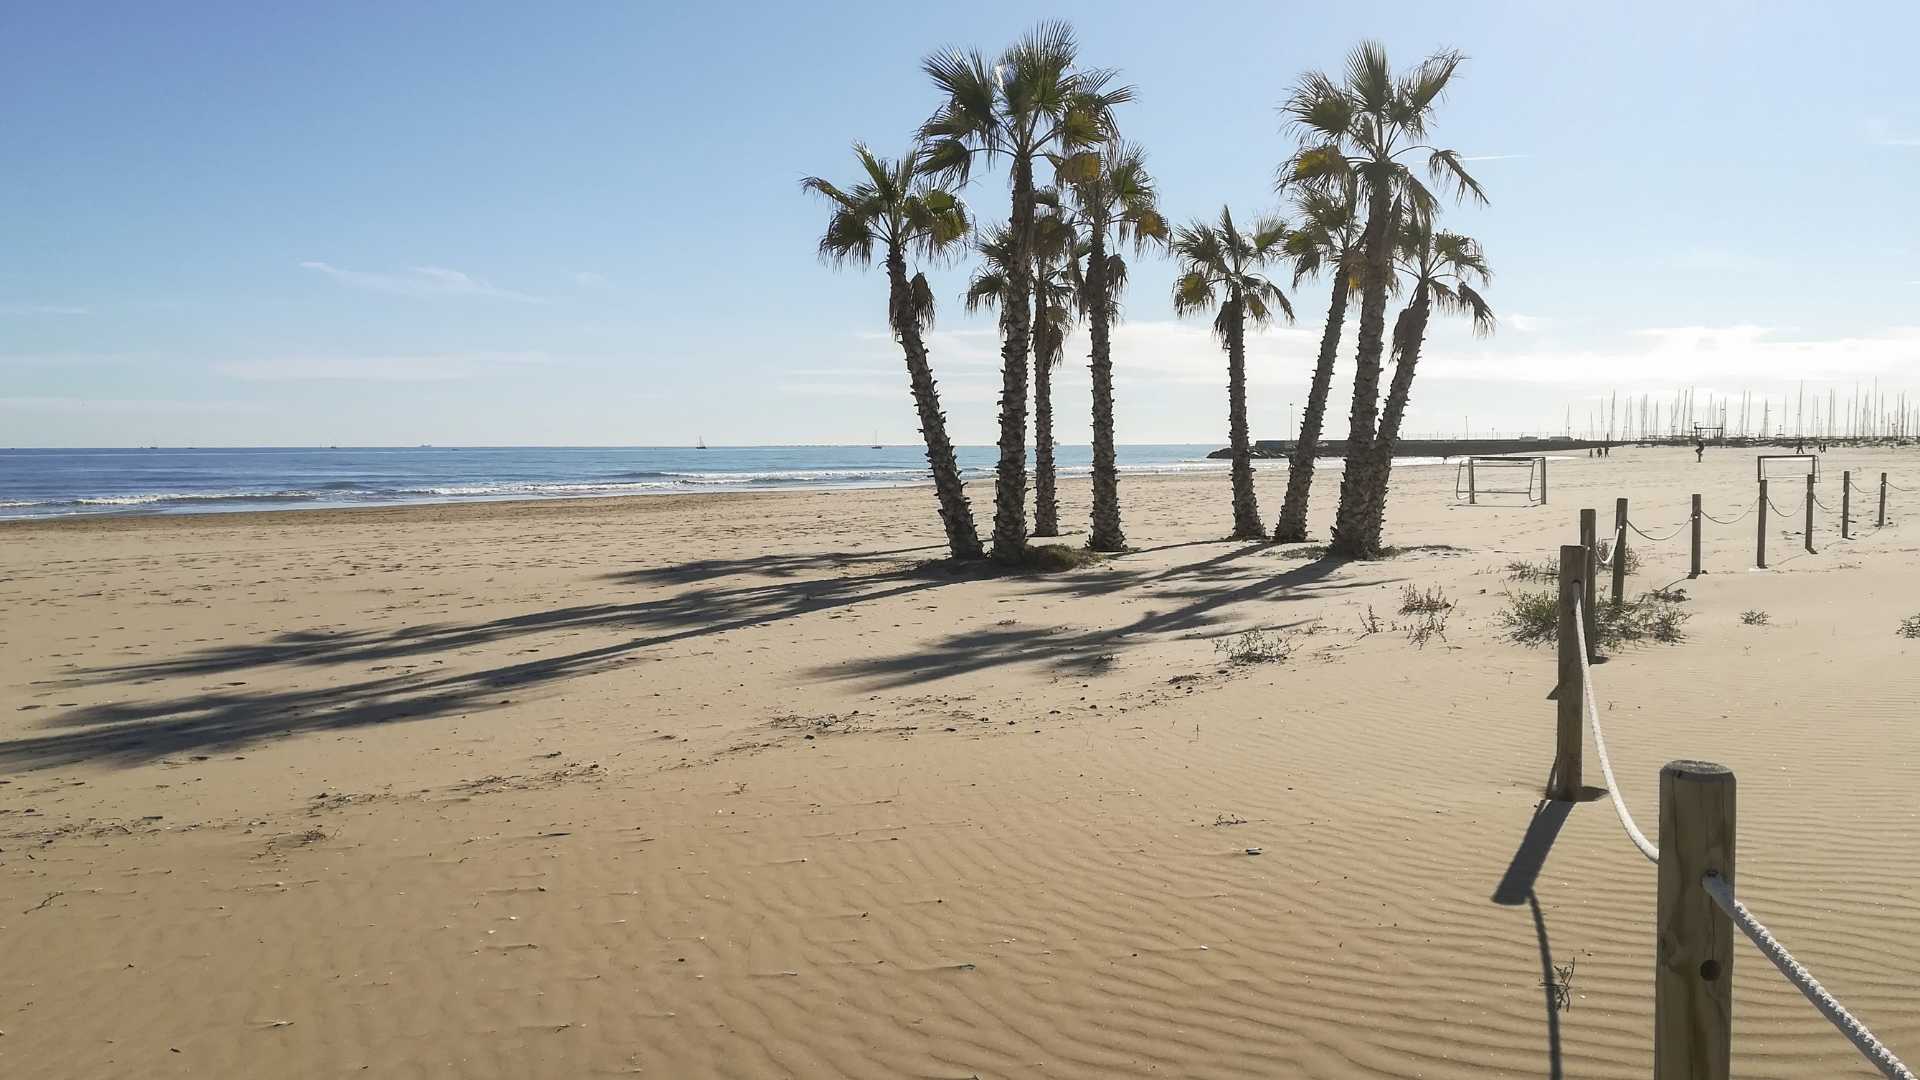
1409, 331
1046, 503
962, 541
1246, 509
1293, 512
1010, 483
1356, 481
1106, 535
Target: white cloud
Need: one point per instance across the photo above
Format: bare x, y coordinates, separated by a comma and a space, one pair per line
1526, 324
419, 281
1741, 355
69, 406
419, 368
587, 279
41, 309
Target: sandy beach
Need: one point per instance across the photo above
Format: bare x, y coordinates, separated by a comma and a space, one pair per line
743, 786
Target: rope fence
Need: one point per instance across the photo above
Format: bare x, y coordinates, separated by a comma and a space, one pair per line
1693, 974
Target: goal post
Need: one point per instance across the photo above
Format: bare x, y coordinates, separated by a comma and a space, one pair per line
1776, 466
1712, 434
1477, 477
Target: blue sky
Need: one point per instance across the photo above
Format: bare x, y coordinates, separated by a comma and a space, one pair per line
580, 223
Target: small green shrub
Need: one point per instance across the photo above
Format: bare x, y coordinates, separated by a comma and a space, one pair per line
1532, 617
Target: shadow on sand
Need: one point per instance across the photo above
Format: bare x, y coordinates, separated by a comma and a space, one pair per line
140, 728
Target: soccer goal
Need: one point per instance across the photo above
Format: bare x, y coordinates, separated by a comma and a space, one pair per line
1505, 478
1785, 466
1711, 434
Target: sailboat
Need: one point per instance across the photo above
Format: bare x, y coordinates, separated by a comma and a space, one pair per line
876, 441
700, 442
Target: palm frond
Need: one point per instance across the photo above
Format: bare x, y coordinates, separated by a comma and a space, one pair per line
1447, 171
920, 302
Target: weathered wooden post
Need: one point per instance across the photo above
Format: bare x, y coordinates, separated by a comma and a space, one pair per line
1619, 550
1882, 523
1543, 480
1695, 518
1571, 696
1589, 539
1693, 949
1846, 505
1472, 499
1760, 545
1810, 514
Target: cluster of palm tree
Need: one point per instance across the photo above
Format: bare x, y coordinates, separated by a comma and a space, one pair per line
1080, 193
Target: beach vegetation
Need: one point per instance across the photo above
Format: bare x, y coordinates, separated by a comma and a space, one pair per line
1754, 617
1054, 283
1114, 201
1255, 647
1368, 128
1442, 269
894, 212
1910, 627
1222, 270
1035, 108
1327, 240
1532, 617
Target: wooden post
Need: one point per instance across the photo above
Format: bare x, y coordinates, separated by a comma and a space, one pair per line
1570, 739
1693, 947
1619, 550
1810, 513
1543, 481
1589, 539
1471, 497
1882, 523
1695, 518
1760, 545
1846, 505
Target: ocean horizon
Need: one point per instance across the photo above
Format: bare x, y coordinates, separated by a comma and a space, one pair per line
43, 483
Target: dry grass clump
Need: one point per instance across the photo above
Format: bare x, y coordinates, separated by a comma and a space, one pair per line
1910, 627
1755, 617
1255, 647
1050, 558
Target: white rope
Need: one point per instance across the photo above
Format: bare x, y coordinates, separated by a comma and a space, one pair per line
1600, 740
1803, 980
1655, 539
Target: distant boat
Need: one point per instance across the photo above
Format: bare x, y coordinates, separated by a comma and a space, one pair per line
700, 443
876, 442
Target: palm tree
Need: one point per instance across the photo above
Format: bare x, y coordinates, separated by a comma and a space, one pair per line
1029, 105
1118, 198
1221, 265
1362, 127
1053, 318
1442, 268
894, 209
1054, 311
1328, 239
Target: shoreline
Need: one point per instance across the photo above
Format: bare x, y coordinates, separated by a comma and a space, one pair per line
233, 506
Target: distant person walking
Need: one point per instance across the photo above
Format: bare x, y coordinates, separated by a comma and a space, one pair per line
1699, 450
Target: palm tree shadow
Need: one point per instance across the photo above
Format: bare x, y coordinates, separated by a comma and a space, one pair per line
144, 728
1089, 651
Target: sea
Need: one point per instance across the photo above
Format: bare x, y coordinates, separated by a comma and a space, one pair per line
52, 483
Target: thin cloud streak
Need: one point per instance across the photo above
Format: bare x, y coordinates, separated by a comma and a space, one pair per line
1495, 157
385, 369
419, 281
